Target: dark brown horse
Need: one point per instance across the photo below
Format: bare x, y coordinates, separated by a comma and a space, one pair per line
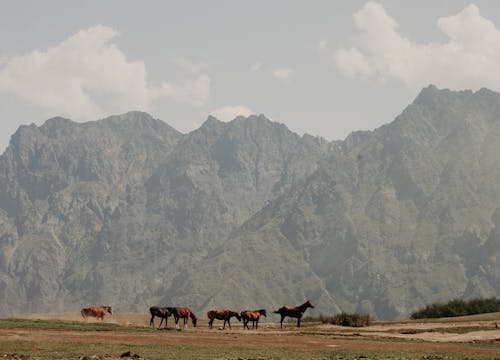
253, 316
96, 311
295, 312
162, 312
183, 313
225, 315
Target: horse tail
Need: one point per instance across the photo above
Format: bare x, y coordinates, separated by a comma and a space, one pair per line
193, 318
83, 314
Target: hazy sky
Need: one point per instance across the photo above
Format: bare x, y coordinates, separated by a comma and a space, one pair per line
322, 67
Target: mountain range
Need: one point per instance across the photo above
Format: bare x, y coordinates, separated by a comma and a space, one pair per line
129, 212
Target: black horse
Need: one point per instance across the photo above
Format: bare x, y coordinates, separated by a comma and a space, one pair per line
161, 312
295, 312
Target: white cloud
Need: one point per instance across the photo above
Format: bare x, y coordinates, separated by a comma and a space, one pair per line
87, 76
193, 91
285, 74
190, 66
228, 113
323, 46
468, 59
256, 66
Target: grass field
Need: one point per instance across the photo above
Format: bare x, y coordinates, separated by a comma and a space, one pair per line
65, 336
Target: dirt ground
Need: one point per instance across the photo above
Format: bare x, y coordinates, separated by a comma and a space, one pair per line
432, 336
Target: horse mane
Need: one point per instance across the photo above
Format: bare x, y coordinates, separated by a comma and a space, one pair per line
305, 305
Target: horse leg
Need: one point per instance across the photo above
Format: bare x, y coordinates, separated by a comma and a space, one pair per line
256, 324
176, 322
229, 323
281, 322
298, 321
161, 322
210, 323
151, 322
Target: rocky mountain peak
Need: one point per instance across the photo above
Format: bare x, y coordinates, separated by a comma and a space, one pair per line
128, 211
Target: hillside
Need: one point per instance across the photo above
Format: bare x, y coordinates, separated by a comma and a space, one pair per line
128, 211
113, 211
394, 219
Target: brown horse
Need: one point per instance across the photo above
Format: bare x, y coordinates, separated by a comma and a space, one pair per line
225, 315
253, 316
96, 311
183, 313
162, 312
295, 312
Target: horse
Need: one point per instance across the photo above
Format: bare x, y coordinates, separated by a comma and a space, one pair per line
162, 312
253, 316
183, 313
225, 315
295, 312
96, 311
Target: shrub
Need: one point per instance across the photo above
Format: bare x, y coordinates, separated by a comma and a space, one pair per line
458, 307
344, 319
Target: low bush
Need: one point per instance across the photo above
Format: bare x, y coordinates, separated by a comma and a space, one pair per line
458, 307
342, 319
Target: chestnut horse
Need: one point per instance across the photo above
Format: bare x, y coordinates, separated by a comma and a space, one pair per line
225, 315
295, 312
183, 313
96, 311
162, 312
253, 316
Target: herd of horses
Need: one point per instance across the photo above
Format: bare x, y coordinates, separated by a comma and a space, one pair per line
225, 315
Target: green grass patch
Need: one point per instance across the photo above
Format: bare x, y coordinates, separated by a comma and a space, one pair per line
11, 323
67, 349
450, 330
381, 354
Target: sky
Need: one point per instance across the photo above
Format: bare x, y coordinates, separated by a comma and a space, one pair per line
325, 68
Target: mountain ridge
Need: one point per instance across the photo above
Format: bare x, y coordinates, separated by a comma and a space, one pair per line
129, 211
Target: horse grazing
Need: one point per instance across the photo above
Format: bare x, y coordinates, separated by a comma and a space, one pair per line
183, 313
96, 311
225, 315
295, 312
253, 316
162, 312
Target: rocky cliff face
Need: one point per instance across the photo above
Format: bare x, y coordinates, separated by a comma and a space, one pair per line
394, 219
114, 211
128, 211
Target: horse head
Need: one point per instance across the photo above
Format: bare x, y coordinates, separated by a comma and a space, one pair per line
263, 312
109, 310
194, 319
308, 304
